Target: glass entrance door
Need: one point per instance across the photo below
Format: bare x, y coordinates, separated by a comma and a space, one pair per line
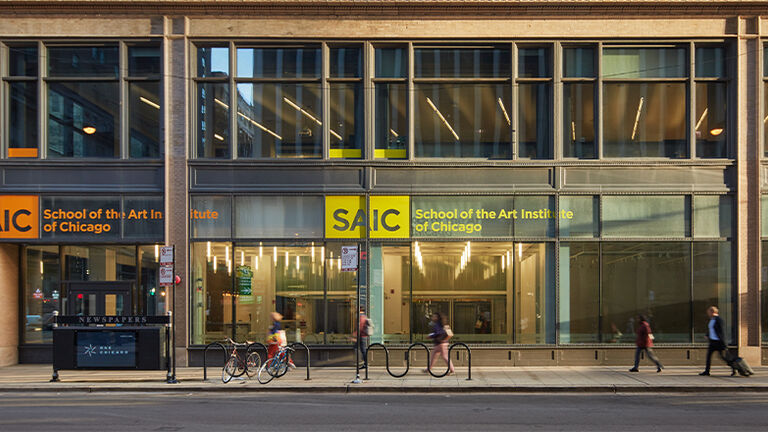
98, 298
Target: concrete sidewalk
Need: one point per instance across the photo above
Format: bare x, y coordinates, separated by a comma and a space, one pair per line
34, 378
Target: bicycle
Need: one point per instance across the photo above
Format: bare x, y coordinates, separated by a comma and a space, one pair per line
276, 366
236, 366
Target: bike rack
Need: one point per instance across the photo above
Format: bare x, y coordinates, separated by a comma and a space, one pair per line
306, 348
205, 357
408, 359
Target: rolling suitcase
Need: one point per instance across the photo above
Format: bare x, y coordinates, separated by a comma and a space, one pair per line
739, 365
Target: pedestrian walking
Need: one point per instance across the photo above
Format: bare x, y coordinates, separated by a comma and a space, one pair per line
716, 336
644, 342
440, 335
362, 336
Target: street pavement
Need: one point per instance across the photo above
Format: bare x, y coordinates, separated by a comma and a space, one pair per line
381, 412
603, 379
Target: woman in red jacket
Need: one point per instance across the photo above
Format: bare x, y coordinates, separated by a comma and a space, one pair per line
644, 342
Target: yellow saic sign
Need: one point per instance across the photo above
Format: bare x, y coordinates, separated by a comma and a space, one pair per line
19, 217
345, 217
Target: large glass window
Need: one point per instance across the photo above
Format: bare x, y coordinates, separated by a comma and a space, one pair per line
580, 295
711, 127
346, 120
391, 102
278, 217
652, 279
144, 102
579, 216
579, 77
41, 293
712, 286
156, 298
212, 290
764, 289
534, 103
646, 216
213, 120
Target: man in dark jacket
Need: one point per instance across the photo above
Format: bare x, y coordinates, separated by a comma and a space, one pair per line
716, 336
644, 342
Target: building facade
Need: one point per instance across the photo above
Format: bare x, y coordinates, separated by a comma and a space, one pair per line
540, 173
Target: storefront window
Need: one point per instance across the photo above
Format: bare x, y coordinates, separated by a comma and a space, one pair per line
212, 289
653, 279
535, 308
42, 292
99, 263
390, 302
156, 298
341, 297
712, 286
580, 295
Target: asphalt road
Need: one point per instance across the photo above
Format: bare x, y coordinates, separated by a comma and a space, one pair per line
381, 412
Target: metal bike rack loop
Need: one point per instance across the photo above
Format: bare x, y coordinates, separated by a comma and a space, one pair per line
205, 356
306, 348
408, 359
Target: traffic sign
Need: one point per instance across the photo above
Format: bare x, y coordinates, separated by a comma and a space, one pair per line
166, 255
349, 258
166, 276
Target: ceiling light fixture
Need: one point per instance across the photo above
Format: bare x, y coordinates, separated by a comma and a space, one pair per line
445, 122
637, 117
149, 102
504, 110
716, 131
90, 130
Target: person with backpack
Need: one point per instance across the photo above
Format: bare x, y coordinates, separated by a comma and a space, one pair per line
644, 342
440, 335
716, 337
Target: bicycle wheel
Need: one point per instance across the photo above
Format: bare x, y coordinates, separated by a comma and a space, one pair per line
229, 370
264, 376
252, 364
241, 368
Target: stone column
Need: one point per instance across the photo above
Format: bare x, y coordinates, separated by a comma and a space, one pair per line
9, 305
176, 145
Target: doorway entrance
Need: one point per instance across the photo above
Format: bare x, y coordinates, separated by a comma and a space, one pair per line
98, 298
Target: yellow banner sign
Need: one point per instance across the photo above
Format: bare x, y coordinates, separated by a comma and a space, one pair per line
19, 217
345, 217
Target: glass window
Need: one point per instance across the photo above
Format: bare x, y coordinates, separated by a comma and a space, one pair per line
645, 120
579, 216
764, 288
212, 293
579, 120
645, 63
535, 216
83, 61
72, 217
346, 62
278, 217
279, 120
42, 286
712, 215
534, 63
535, 111
346, 121
469, 284
391, 62
463, 120
23, 116
652, 279
765, 120
213, 120
83, 119
391, 121
645, 216
276, 62
711, 119
22, 61
578, 62
156, 297
476, 216
144, 119
99, 263
211, 216
580, 295
390, 298
342, 298
535, 306
764, 215
710, 62
462, 62
143, 61
712, 286
144, 217
212, 62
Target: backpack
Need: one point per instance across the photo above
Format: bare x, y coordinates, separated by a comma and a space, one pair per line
368, 328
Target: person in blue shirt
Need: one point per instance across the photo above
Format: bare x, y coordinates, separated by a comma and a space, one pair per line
716, 336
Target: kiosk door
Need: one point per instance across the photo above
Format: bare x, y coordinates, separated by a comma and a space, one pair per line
98, 298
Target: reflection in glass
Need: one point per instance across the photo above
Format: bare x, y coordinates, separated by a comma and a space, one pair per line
534, 63
652, 279
579, 62
645, 216
535, 304
22, 61
150, 228
278, 62
712, 215
645, 120
144, 119
463, 120
22, 114
391, 63
156, 297
470, 283
213, 120
645, 63
462, 62
212, 62
83, 119
346, 62
278, 216
711, 120
534, 125
391, 121
346, 122
99, 263
279, 120
535, 216
41, 292
710, 62
143, 60
579, 120
712, 286
584, 211
212, 287
580, 295
83, 61
211, 216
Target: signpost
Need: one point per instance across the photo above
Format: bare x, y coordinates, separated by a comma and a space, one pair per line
350, 261
168, 278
